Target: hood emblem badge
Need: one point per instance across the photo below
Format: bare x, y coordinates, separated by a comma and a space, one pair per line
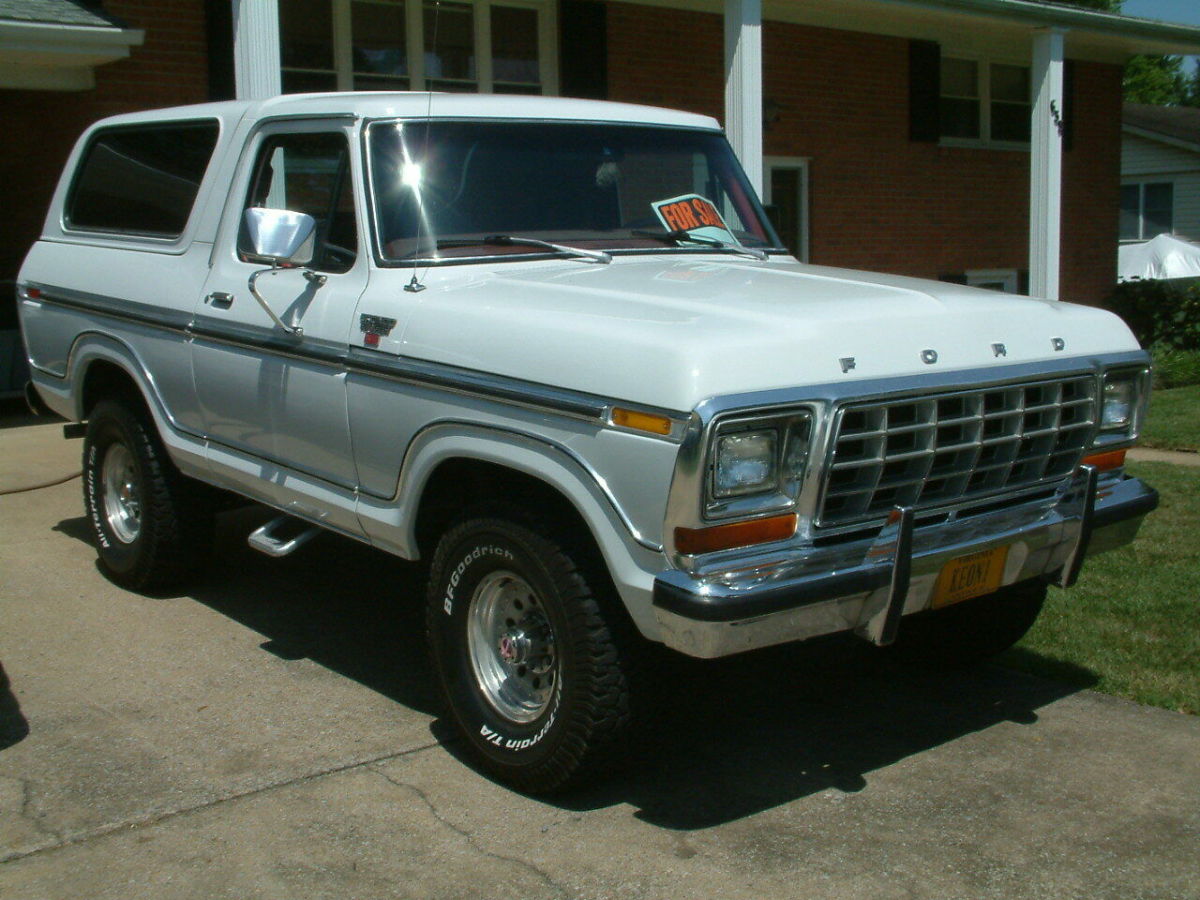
847, 363
1058, 344
999, 350
929, 357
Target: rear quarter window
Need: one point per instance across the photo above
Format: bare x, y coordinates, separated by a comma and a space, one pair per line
141, 179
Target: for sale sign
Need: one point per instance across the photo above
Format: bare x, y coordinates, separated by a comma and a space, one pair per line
695, 215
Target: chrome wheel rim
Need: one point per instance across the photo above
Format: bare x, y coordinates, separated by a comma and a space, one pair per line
511, 646
122, 497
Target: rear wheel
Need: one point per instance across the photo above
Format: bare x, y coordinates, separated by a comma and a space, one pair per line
970, 632
529, 653
152, 526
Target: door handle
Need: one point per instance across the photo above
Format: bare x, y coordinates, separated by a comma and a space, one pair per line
220, 299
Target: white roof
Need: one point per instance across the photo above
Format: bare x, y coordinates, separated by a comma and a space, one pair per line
385, 105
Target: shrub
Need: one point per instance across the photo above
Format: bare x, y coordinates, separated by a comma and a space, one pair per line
1175, 368
1163, 313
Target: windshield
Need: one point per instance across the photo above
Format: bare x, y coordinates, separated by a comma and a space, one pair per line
449, 189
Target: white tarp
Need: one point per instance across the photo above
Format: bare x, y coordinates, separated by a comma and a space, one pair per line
1161, 257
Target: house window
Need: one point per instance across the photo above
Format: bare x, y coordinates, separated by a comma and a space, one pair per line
1005, 280
786, 200
1147, 210
378, 45
985, 101
401, 45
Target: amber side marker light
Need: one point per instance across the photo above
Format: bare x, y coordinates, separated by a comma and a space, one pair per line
692, 541
628, 418
1106, 462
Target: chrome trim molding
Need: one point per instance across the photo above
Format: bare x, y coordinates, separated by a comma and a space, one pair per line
115, 308
359, 360
444, 377
801, 593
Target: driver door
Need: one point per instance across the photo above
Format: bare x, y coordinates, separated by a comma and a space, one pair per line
278, 396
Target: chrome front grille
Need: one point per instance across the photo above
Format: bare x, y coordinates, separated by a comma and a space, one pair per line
944, 449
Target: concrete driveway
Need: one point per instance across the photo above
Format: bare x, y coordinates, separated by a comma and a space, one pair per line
273, 733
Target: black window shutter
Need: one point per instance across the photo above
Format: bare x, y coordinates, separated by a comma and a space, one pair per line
1023, 282
1068, 110
924, 91
583, 49
218, 20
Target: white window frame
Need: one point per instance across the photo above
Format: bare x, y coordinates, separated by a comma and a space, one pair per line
1010, 278
801, 163
984, 87
1141, 184
414, 27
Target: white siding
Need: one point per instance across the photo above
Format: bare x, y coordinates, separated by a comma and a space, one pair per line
1140, 156
1147, 160
1187, 205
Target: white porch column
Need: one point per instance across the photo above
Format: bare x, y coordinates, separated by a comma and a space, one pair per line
743, 85
256, 49
1045, 181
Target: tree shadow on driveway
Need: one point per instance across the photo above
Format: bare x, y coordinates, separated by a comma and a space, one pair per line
724, 739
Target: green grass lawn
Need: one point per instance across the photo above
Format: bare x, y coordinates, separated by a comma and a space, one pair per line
1131, 626
1174, 419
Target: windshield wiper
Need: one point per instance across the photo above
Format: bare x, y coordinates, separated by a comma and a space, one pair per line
681, 234
508, 240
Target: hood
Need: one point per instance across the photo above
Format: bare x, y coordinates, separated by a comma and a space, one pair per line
671, 332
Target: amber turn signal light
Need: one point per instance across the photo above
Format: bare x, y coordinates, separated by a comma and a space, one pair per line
1106, 462
692, 541
628, 418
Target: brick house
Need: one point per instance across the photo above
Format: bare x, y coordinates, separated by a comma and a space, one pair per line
938, 138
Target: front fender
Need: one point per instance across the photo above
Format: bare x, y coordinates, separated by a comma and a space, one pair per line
632, 558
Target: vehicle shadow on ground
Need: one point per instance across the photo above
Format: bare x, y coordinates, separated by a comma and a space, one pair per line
725, 739
13, 726
354, 610
733, 737
15, 414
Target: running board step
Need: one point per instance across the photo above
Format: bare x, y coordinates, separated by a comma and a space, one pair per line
282, 535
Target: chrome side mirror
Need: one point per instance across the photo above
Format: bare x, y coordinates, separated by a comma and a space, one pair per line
280, 235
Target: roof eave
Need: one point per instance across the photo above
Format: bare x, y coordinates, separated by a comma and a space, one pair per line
1161, 138
41, 43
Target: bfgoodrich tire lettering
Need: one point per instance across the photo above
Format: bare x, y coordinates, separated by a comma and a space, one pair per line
151, 525
528, 654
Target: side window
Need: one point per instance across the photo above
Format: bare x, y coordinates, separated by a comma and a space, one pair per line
141, 179
309, 173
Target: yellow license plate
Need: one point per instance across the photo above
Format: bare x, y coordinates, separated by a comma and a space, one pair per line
970, 576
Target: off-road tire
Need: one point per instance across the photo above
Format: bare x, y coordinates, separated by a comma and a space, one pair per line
586, 717
172, 535
970, 632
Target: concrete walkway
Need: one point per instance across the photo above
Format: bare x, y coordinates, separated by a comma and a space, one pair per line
273, 733
1175, 457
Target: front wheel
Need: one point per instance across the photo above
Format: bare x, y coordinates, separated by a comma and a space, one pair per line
152, 526
529, 652
970, 632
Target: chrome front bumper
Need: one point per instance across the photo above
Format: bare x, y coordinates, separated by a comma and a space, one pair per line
867, 586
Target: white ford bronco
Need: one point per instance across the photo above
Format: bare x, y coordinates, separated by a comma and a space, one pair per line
555, 350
